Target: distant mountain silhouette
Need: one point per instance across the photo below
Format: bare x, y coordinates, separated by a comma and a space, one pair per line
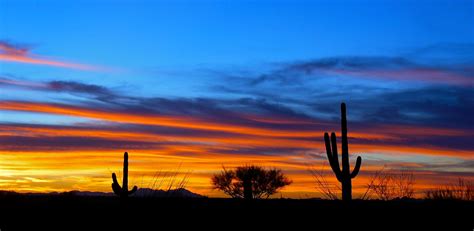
147, 192
142, 192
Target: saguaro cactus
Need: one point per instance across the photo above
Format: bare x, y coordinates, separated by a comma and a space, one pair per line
123, 191
344, 176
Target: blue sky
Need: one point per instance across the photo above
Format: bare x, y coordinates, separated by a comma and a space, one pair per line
157, 41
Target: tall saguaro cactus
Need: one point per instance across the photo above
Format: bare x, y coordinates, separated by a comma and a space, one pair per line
344, 176
123, 191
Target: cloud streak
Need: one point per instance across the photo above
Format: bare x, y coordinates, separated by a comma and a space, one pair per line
18, 54
371, 67
251, 130
71, 87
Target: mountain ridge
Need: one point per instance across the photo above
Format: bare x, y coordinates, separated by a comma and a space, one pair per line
141, 192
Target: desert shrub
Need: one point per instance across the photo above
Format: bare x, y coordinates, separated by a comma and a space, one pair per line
462, 190
389, 185
250, 182
327, 189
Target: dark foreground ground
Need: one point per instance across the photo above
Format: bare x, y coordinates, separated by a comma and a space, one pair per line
91, 213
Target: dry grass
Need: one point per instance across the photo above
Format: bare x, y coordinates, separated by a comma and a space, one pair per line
168, 181
389, 185
329, 190
461, 190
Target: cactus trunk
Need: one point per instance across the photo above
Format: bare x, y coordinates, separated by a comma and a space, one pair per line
346, 190
344, 176
125, 172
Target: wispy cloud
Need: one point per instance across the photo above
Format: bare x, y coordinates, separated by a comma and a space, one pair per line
22, 54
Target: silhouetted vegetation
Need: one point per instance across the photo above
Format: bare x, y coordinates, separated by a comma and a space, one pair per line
343, 175
123, 191
462, 190
327, 189
168, 182
389, 185
250, 182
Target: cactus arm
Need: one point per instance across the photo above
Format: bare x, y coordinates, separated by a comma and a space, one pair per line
333, 161
114, 179
115, 185
134, 189
336, 169
328, 149
117, 189
328, 146
334, 150
356, 167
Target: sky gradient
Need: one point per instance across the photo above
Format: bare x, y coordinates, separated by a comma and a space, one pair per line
191, 86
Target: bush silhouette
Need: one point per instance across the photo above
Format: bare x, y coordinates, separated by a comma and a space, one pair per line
462, 190
390, 185
250, 182
123, 191
344, 176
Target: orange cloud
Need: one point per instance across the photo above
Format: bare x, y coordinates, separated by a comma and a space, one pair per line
11, 53
151, 119
243, 135
241, 141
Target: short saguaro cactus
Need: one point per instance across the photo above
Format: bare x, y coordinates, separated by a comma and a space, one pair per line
123, 191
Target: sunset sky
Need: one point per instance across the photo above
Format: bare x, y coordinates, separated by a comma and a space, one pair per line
190, 86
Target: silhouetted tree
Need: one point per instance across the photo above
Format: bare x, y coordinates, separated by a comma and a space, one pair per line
123, 191
250, 182
344, 176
